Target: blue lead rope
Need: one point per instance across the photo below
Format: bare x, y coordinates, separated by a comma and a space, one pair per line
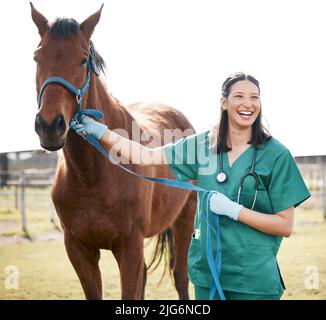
214, 264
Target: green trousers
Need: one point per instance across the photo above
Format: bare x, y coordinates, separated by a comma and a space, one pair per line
202, 293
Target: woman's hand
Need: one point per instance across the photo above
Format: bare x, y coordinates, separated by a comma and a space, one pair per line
87, 126
222, 205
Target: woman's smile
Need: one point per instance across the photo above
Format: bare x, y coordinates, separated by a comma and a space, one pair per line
245, 115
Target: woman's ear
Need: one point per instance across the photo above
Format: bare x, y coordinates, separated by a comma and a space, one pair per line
223, 103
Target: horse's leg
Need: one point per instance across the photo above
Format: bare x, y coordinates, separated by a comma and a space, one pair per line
85, 262
130, 257
182, 230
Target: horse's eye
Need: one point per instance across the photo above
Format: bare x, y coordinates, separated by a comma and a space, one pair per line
84, 61
35, 59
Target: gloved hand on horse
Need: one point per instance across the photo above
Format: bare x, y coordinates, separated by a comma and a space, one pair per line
222, 205
87, 126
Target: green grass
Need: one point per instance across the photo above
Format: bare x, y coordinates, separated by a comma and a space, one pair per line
38, 206
44, 269
302, 253
46, 273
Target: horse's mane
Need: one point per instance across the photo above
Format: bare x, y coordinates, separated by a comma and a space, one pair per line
62, 28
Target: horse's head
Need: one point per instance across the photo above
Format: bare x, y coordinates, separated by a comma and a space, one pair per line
63, 53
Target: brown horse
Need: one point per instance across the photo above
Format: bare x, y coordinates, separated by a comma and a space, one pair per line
99, 205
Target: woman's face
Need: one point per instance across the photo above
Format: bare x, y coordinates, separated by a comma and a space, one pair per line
242, 104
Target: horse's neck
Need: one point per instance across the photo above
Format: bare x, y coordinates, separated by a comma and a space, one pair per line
83, 158
115, 114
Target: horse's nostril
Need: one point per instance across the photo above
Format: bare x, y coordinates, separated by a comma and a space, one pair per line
39, 124
55, 129
59, 125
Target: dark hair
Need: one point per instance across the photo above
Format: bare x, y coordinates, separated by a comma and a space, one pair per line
62, 28
260, 134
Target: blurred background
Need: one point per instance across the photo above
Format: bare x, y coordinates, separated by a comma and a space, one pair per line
176, 52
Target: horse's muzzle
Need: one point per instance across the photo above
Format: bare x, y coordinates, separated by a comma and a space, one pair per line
52, 136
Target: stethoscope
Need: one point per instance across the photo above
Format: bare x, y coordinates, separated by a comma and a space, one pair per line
222, 177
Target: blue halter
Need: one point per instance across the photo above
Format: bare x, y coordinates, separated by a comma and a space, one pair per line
79, 93
214, 264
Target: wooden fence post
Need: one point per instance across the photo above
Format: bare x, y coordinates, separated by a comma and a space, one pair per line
16, 197
22, 181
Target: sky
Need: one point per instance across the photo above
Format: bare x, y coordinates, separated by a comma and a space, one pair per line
179, 52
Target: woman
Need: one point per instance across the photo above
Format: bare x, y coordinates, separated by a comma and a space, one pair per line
255, 211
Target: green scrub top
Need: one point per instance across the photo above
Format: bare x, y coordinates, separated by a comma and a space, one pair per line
249, 262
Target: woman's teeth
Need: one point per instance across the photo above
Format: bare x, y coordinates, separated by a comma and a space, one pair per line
245, 113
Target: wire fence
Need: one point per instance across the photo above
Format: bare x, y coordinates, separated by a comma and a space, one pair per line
30, 188
314, 175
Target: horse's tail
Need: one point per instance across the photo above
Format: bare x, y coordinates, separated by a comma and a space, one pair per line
163, 249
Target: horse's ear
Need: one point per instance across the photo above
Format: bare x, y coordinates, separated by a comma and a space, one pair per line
88, 25
40, 21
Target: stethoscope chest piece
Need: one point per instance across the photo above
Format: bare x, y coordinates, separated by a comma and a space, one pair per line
221, 177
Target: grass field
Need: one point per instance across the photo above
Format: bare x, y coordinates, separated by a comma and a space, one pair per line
44, 271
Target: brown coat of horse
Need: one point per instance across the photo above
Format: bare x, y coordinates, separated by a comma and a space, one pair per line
99, 205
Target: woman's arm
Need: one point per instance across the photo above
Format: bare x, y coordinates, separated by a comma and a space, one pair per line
280, 224
128, 149
133, 151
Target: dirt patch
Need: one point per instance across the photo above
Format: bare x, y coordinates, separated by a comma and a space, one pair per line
14, 239
6, 225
